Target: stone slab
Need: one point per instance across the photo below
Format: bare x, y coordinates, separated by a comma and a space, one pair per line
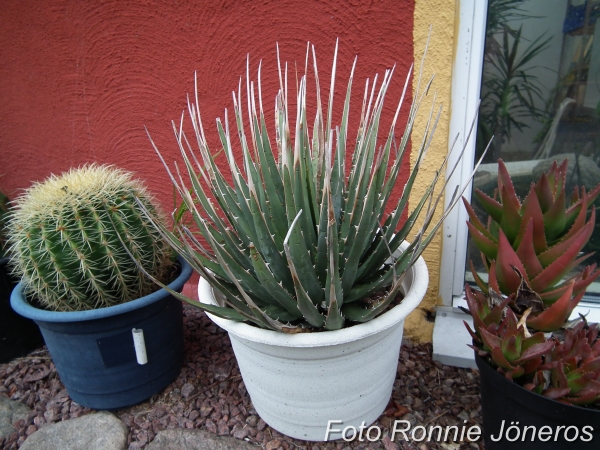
10, 412
179, 439
97, 431
451, 338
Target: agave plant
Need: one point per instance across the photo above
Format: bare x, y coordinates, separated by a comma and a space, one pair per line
536, 242
299, 242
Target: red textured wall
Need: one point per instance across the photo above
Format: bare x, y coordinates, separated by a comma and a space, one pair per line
80, 79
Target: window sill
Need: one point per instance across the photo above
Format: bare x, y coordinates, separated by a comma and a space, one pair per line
451, 339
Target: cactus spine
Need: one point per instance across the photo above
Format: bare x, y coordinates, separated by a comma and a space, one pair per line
66, 239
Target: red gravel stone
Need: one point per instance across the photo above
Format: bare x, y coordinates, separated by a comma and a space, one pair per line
210, 394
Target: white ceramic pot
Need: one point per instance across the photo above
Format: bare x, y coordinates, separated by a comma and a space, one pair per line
299, 382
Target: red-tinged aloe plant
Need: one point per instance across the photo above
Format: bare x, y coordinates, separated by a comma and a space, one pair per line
571, 371
536, 242
564, 367
499, 335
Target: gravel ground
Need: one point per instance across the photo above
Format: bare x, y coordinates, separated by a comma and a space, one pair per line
210, 394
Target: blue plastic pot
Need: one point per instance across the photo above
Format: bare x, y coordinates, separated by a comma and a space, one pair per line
93, 351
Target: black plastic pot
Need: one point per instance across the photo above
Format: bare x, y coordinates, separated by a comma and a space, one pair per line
94, 354
18, 335
505, 403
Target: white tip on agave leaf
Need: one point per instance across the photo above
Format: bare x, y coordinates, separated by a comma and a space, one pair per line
260, 103
332, 86
198, 107
287, 236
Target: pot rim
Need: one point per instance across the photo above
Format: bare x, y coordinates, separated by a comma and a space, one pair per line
24, 308
413, 296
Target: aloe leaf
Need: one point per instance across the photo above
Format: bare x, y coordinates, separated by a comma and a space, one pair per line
532, 210
554, 272
511, 220
359, 175
508, 280
509, 348
484, 245
544, 193
339, 172
506, 188
491, 206
219, 311
478, 280
554, 317
245, 279
301, 179
526, 253
534, 351
555, 218
578, 221
241, 188
476, 222
554, 252
301, 197
319, 138
260, 315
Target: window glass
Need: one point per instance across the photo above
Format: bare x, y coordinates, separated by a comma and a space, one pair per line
540, 99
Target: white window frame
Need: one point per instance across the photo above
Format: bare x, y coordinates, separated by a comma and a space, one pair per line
466, 82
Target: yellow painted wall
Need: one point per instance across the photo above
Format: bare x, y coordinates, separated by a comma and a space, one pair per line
441, 15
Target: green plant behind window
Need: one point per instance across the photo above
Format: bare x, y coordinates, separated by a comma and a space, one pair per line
510, 89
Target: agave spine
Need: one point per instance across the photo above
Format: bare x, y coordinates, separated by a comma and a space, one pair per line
67, 233
542, 238
296, 243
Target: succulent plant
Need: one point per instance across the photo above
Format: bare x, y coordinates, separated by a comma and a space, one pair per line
3, 219
511, 348
571, 370
529, 249
296, 244
537, 242
67, 237
563, 367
